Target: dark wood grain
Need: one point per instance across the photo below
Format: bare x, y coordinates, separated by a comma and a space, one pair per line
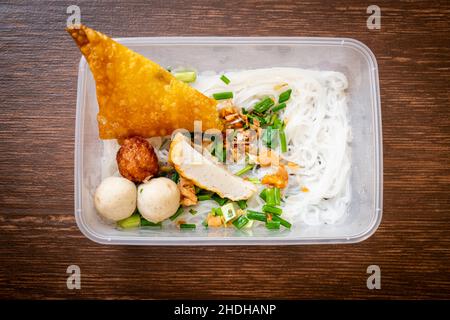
38, 234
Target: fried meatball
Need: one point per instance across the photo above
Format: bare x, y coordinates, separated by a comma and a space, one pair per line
136, 159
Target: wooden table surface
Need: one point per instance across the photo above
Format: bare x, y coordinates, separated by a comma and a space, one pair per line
39, 238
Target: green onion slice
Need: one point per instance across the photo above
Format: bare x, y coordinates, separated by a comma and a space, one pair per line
175, 177
283, 141
240, 222
263, 105
255, 215
263, 194
146, 223
177, 214
254, 180
267, 137
273, 224
272, 209
278, 123
242, 204
133, 221
228, 212
279, 107
283, 222
218, 212
186, 76
245, 169
270, 197
219, 200
284, 96
204, 197
277, 196
225, 79
187, 226
223, 95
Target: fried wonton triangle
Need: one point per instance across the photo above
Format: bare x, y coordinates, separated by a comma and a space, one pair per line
136, 96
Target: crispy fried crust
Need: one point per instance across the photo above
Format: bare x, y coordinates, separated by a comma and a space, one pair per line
136, 96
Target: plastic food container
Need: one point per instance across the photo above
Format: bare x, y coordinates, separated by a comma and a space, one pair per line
349, 56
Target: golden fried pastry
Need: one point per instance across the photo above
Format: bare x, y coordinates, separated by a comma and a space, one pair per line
137, 160
136, 96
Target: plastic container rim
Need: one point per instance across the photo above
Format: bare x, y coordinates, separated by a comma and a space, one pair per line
78, 165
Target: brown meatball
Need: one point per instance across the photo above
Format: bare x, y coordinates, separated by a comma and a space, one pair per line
136, 159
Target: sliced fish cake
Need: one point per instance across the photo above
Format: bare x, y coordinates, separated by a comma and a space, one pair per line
207, 174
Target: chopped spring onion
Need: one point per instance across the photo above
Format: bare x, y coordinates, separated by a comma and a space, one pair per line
177, 214
242, 204
193, 212
272, 209
254, 180
217, 211
240, 222
225, 79
284, 96
175, 177
277, 123
146, 223
263, 105
187, 226
223, 95
277, 196
133, 221
228, 212
263, 194
219, 200
186, 76
283, 222
204, 197
255, 215
283, 141
245, 169
219, 151
279, 107
205, 223
274, 120
270, 197
273, 224
249, 224
267, 137
261, 120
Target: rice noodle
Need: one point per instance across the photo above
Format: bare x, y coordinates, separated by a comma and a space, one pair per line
317, 132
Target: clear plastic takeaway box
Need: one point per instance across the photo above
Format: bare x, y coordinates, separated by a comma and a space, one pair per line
348, 56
